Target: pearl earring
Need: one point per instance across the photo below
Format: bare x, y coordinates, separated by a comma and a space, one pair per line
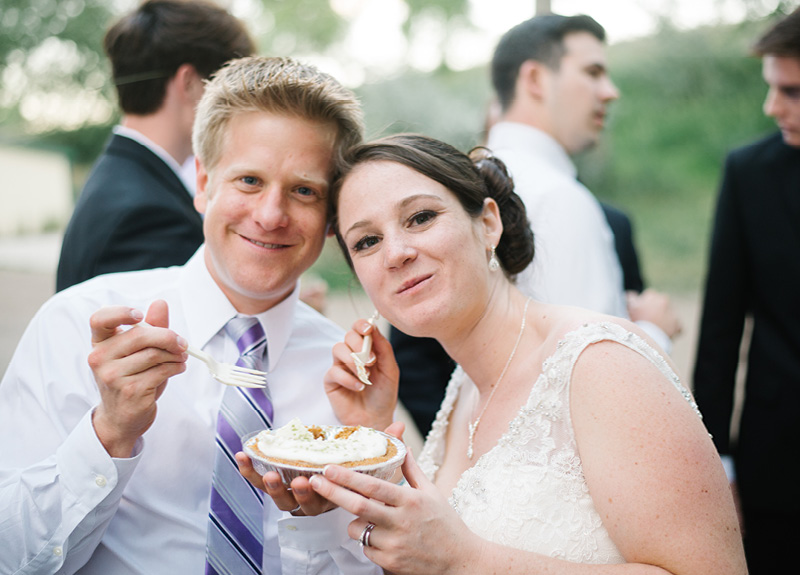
494, 263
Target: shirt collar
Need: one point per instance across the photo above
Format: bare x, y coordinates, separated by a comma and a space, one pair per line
524, 138
207, 310
140, 138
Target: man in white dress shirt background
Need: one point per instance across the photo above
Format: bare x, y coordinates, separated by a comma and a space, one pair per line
108, 468
551, 81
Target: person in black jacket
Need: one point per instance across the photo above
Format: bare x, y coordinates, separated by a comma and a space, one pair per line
135, 211
754, 271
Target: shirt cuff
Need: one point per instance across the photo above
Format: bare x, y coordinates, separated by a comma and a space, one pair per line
88, 471
319, 533
658, 334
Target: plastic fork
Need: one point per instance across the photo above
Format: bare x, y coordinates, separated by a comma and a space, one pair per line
227, 373
230, 374
364, 357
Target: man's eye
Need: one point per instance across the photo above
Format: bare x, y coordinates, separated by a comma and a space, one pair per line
250, 180
422, 217
365, 243
304, 191
792, 93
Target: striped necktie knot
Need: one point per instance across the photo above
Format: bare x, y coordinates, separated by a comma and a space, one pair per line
251, 341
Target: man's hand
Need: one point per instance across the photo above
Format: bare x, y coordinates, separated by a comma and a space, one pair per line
131, 368
655, 307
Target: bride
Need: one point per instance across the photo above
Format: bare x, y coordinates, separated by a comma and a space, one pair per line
565, 442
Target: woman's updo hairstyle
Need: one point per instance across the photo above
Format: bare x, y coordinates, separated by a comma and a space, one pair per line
472, 178
515, 250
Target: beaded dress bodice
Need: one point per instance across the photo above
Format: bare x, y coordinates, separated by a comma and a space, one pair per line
528, 491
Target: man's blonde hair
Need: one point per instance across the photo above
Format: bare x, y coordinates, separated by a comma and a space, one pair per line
278, 86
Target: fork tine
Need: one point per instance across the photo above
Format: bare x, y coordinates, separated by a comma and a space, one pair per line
235, 383
247, 378
253, 380
240, 369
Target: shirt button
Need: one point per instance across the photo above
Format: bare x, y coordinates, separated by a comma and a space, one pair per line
58, 551
101, 481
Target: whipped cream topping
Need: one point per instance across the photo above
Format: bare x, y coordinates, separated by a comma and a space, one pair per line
295, 442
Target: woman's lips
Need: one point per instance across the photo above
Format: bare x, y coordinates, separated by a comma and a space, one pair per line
413, 283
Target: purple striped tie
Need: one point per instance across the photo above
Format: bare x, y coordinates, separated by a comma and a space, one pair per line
235, 529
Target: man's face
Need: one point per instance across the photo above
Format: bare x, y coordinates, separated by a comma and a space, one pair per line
265, 206
782, 75
578, 93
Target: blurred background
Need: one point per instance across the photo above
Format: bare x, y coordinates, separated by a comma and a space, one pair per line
690, 92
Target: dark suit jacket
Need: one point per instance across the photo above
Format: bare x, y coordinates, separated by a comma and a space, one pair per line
134, 213
754, 269
425, 370
620, 224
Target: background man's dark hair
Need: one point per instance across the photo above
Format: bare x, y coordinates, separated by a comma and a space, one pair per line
542, 39
783, 39
147, 46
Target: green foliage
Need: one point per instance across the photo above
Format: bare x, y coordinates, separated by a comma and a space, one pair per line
446, 105
287, 27
688, 98
50, 46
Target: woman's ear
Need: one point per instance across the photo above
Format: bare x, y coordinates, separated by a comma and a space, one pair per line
492, 223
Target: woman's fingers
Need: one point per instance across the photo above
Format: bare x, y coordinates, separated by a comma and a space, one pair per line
353, 490
412, 472
339, 376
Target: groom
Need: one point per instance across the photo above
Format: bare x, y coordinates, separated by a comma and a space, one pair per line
109, 469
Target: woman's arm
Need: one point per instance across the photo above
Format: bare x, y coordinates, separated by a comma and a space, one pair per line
652, 471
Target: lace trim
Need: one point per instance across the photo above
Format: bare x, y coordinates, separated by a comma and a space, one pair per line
538, 454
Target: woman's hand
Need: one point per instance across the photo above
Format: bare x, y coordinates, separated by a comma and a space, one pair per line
353, 402
416, 530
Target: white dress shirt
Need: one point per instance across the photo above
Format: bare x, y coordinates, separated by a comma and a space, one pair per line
67, 506
185, 172
575, 262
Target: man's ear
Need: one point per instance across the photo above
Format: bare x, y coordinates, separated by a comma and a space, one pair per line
531, 79
189, 82
201, 194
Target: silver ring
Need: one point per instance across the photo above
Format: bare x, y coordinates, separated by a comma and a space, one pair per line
295, 510
364, 539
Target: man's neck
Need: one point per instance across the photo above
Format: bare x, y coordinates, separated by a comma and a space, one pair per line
534, 121
159, 129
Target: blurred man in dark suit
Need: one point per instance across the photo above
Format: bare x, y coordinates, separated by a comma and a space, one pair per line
136, 211
754, 270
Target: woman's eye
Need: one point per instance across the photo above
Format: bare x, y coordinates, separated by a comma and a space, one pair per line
365, 243
422, 217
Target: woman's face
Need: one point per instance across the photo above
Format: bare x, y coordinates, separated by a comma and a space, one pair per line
419, 256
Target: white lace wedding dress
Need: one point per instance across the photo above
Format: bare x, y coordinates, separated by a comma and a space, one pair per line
528, 492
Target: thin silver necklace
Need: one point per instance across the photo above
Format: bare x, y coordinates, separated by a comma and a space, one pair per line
474, 425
